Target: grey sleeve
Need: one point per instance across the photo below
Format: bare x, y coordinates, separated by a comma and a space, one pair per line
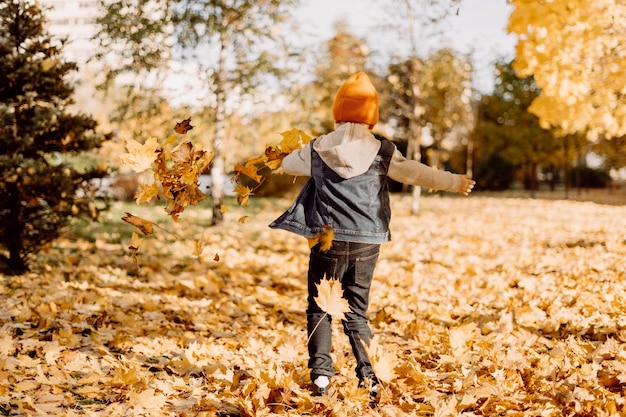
415, 173
298, 162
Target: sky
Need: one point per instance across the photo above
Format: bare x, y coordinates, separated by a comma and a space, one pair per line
477, 28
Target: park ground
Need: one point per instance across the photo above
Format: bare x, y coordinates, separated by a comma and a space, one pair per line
488, 305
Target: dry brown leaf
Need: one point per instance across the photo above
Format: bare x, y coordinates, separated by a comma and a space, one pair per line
183, 127
145, 226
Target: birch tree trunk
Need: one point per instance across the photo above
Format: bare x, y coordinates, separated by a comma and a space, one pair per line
217, 165
414, 152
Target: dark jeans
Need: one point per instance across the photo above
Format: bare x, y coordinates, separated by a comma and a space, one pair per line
353, 264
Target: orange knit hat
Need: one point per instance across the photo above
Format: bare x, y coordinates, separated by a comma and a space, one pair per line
356, 101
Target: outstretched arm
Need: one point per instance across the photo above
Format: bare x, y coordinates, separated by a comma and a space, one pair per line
415, 173
298, 162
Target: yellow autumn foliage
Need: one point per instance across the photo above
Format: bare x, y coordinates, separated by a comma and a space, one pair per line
574, 49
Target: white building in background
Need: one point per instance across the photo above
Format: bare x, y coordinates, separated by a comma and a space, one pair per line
74, 20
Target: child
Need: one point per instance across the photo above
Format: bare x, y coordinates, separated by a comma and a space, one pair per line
348, 191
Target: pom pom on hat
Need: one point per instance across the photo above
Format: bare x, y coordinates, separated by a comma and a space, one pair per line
356, 101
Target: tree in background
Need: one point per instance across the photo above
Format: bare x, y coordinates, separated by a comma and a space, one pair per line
433, 93
344, 54
413, 21
232, 42
447, 99
613, 152
574, 49
39, 190
508, 134
403, 103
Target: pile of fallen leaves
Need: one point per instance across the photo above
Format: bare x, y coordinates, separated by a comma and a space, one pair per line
480, 307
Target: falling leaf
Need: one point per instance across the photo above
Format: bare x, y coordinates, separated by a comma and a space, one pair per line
178, 172
251, 168
223, 208
198, 246
48, 63
170, 141
243, 219
243, 194
146, 193
274, 156
271, 158
140, 157
330, 298
216, 258
183, 127
135, 241
145, 226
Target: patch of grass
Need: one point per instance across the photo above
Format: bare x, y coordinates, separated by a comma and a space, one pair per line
112, 229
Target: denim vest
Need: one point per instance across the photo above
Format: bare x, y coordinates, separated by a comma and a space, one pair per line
357, 208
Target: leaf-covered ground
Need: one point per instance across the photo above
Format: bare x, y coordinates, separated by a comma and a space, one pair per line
483, 306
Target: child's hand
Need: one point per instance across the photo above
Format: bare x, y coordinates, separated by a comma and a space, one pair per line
467, 184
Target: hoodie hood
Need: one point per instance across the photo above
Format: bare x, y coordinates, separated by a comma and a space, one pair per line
349, 150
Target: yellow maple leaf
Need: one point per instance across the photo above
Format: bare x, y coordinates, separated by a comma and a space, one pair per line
384, 361
243, 219
243, 194
146, 193
170, 141
330, 298
271, 158
198, 246
274, 156
140, 157
250, 168
293, 139
324, 238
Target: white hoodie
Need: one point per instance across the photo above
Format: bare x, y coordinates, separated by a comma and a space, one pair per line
349, 151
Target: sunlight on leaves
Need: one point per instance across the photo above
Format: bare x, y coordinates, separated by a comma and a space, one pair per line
330, 298
140, 157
